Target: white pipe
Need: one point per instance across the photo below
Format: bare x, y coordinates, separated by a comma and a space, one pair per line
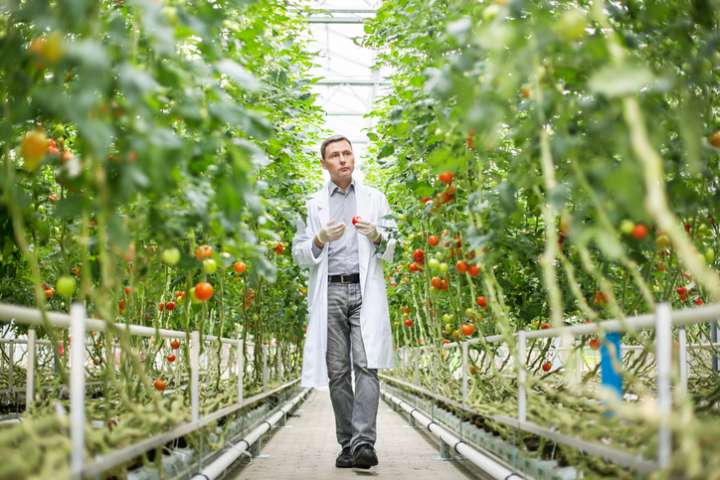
32, 316
688, 316
220, 465
486, 464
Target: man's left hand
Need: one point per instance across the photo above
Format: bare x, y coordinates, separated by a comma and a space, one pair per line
369, 230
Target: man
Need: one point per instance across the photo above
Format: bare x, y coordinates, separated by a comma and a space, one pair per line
346, 238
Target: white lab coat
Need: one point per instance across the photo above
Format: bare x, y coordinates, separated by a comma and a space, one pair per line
372, 206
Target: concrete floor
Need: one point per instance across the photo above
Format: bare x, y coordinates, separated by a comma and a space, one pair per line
305, 448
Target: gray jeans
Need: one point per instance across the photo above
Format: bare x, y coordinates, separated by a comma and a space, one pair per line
355, 414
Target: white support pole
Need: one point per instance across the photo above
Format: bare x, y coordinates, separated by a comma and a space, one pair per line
195, 375
11, 371
663, 354
683, 357
265, 373
579, 362
30, 370
464, 373
77, 388
522, 395
240, 365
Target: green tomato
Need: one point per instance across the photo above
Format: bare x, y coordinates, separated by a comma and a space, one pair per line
433, 264
470, 313
571, 26
443, 267
65, 286
627, 226
448, 318
709, 255
490, 12
209, 266
170, 256
448, 328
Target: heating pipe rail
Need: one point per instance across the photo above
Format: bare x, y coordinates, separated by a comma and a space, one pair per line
220, 465
485, 463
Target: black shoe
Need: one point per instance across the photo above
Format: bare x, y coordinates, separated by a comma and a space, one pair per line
364, 456
345, 459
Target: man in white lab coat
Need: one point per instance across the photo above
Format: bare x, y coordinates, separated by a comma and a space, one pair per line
345, 240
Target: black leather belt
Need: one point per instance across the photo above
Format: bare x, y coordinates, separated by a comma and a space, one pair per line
350, 278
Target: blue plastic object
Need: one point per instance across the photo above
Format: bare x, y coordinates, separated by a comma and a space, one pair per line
609, 376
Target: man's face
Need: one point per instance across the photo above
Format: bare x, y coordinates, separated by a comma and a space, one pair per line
339, 161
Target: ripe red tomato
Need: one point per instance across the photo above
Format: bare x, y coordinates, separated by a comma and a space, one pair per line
482, 301
714, 139
699, 301
239, 267
433, 240
355, 219
279, 248
419, 255
436, 282
461, 266
594, 343
175, 344
544, 326
203, 291
203, 251
128, 290
161, 306
639, 232
474, 270
446, 177
121, 305
49, 292
687, 227
406, 310
408, 322
170, 358
682, 293
425, 199
179, 294
170, 306
444, 284
413, 267
160, 384
546, 366
600, 298
445, 341
468, 329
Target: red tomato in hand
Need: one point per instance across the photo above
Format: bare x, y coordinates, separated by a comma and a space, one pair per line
356, 219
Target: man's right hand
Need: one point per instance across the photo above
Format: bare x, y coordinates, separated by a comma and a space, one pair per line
330, 232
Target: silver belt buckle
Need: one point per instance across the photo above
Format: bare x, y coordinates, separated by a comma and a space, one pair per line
343, 277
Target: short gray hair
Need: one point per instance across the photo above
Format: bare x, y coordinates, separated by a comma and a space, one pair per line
333, 139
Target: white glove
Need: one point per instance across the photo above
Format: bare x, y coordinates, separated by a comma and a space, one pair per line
368, 229
331, 231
